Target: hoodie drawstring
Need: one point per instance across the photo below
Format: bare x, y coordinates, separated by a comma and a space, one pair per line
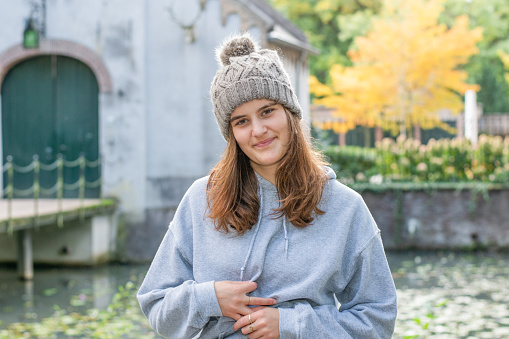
253, 237
286, 236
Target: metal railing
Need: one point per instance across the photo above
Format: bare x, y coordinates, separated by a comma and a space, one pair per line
35, 190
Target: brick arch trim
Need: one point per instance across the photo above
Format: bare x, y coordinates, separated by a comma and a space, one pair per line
17, 53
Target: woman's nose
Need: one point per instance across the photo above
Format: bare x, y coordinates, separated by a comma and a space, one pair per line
259, 128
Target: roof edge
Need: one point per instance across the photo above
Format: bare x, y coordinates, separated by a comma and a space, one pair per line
281, 39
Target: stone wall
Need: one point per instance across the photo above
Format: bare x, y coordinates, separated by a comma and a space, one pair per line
442, 219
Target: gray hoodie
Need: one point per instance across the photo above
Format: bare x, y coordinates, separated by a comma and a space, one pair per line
305, 269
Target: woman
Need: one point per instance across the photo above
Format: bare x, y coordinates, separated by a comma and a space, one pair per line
265, 245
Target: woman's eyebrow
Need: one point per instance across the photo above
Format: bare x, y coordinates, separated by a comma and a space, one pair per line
237, 118
272, 103
267, 106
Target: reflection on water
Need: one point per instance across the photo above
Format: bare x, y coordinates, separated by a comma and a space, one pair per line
72, 289
445, 295
451, 295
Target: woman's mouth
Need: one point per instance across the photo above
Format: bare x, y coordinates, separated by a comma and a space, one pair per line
264, 143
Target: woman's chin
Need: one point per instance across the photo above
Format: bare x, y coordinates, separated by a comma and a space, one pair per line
266, 161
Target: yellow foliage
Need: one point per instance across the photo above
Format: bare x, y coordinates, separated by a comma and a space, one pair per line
404, 70
505, 60
317, 88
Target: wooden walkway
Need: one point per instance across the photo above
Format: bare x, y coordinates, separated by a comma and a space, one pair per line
19, 216
24, 208
29, 213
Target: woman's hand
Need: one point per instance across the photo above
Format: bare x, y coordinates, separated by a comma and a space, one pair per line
233, 299
263, 323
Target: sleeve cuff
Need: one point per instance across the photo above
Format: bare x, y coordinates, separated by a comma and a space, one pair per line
206, 299
289, 322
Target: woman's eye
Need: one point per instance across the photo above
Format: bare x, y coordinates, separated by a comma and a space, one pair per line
267, 111
241, 122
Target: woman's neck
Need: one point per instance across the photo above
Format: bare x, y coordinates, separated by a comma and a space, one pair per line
266, 172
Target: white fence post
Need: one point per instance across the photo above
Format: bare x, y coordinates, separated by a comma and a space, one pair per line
471, 119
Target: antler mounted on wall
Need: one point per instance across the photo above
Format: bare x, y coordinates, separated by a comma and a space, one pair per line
189, 27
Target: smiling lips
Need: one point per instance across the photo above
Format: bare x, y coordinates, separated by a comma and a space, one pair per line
264, 143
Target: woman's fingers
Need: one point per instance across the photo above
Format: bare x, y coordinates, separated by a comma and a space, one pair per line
256, 335
245, 311
250, 329
244, 321
236, 317
247, 319
263, 323
234, 282
249, 287
262, 301
233, 299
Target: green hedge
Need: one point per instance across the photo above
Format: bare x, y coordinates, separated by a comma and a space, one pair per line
406, 160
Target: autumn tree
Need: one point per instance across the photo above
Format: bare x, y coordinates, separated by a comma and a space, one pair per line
331, 26
505, 60
486, 68
404, 70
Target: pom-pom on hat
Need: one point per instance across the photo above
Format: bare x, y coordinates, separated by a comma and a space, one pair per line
248, 73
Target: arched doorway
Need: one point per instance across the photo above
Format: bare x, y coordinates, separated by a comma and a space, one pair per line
50, 107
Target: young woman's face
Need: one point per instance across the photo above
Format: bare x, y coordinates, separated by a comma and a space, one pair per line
262, 132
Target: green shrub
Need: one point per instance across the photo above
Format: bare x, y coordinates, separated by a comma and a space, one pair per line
404, 160
351, 161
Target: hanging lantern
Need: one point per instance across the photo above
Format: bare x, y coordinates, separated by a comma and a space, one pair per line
30, 35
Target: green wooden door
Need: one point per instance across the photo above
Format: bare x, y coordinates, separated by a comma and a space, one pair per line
50, 107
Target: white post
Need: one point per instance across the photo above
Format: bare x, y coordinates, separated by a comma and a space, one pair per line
471, 130
25, 257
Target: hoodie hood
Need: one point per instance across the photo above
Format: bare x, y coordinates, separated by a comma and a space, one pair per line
330, 173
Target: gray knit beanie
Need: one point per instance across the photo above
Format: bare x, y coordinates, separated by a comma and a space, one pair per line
248, 73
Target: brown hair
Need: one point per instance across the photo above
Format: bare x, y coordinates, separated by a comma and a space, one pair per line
300, 179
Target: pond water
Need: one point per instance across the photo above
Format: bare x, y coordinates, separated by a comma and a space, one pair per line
452, 295
440, 295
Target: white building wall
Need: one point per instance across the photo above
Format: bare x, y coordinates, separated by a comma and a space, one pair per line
182, 135
157, 130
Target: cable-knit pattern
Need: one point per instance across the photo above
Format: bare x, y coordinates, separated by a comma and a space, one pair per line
257, 75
